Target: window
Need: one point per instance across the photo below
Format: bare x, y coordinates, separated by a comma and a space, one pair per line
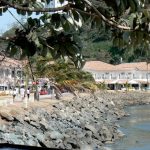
113, 76
99, 76
129, 75
103, 76
1, 72
122, 76
137, 76
13, 73
7, 72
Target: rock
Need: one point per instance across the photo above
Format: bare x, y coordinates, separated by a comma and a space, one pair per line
27, 119
80, 135
68, 146
6, 116
60, 146
107, 148
49, 144
34, 117
40, 137
19, 119
13, 138
66, 136
34, 124
120, 133
73, 143
88, 140
112, 103
56, 135
3, 128
86, 147
106, 133
44, 126
91, 128
31, 142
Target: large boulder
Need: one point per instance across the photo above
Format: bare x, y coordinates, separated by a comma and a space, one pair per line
56, 135
7, 116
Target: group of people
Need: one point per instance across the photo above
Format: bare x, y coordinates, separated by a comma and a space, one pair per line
23, 93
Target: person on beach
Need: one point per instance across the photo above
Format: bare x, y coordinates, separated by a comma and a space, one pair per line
17, 91
14, 94
22, 93
28, 93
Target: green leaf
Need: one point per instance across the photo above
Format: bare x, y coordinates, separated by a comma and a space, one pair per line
66, 26
5, 9
132, 5
126, 37
55, 19
37, 13
75, 15
18, 11
61, 1
13, 51
29, 13
116, 41
1, 12
38, 5
23, 13
48, 1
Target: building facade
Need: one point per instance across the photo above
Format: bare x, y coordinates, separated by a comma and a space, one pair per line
10, 73
135, 74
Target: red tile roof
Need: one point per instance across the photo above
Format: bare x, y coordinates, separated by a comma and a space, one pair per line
101, 66
138, 65
98, 66
9, 62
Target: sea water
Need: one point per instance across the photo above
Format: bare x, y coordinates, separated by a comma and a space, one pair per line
136, 128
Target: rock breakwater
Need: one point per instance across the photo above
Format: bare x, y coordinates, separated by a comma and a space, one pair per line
87, 122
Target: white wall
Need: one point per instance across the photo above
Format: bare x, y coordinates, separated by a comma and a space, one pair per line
113, 75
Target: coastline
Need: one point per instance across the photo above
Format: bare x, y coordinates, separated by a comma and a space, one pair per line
87, 122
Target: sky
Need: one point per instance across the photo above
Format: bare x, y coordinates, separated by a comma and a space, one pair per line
7, 20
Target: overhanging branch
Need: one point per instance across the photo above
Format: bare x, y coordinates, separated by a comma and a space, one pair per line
34, 9
7, 38
109, 22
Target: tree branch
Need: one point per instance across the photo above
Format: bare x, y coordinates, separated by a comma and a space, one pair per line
109, 22
4, 56
34, 9
7, 38
30, 66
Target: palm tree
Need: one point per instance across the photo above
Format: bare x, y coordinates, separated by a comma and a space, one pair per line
65, 74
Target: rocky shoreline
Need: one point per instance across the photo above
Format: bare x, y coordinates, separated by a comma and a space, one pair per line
87, 122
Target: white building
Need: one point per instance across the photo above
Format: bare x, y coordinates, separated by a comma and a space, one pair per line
10, 72
135, 74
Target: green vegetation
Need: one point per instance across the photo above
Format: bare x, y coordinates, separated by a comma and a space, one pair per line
125, 23
65, 74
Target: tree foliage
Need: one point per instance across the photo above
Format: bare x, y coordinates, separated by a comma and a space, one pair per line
128, 20
66, 75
